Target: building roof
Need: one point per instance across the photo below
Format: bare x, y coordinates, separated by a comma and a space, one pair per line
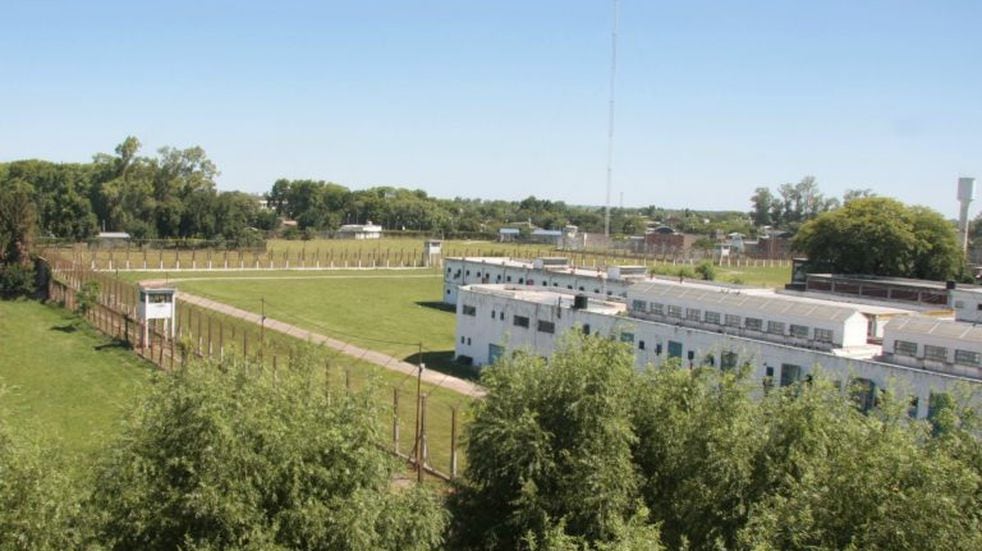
360, 228
113, 235
749, 302
509, 231
939, 328
551, 297
548, 233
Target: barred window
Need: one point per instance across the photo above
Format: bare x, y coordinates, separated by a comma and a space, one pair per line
468, 310
935, 353
905, 348
520, 321
546, 326
627, 337
639, 305
674, 311
799, 331
754, 324
823, 335
967, 357
732, 320
658, 308
775, 327
693, 314
712, 317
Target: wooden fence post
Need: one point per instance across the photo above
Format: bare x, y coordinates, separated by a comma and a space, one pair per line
453, 442
395, 420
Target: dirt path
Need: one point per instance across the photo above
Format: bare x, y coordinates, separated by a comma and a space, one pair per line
383, 360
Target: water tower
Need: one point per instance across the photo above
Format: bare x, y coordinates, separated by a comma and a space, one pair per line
966, 193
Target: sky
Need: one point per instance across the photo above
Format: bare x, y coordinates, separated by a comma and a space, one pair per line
505, 99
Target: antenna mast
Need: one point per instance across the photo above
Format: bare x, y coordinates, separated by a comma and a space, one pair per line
610, 122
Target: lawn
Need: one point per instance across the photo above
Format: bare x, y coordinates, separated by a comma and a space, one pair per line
63, 383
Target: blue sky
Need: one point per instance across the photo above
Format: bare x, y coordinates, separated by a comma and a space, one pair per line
502, 99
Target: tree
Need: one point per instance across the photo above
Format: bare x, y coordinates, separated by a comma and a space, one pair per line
550, 449
881, 236
18, 224
218, 456
763, 203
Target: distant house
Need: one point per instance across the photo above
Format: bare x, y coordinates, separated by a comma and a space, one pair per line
508, 234
665, 240
360, 231
111, 239
773, 244
552, 237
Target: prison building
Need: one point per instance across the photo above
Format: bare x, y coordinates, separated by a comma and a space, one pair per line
934, 345
495, 318
966, 301
360, 231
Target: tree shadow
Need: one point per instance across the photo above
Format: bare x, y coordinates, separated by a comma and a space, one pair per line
437, 305
67, 328
115, 344
443, 361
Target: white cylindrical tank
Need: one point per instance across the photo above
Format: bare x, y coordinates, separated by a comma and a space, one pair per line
966, 189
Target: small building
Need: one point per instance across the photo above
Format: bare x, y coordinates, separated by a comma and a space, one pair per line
156, 303
432, 252
111, 240
966, 300
552, 237
506, 235
360, 231
664, 240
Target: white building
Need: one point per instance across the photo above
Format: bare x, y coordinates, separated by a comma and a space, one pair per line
967, 303
783, 338
360, 231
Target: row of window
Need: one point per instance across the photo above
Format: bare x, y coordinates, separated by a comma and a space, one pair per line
731, 320
936, 353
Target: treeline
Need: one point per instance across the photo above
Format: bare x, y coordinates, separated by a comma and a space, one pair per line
581, 453
170, 195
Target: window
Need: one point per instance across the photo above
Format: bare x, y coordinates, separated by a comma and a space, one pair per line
823, 335
903, 348
586, 328
569, 287
468, 273
935, 353
674, 311
639, 305
693, 314
508, 279
754, 324
967, 357
493, 314
462, 339
468, 341
545, 283
627, 337
521, 280
732, 320
790, 374
658, 308
501, 316
799, 331
674, 349
448, 270
728, 360
775, 327
521, 321
468, 310
863, 392
640, 345
546, 326
712, 317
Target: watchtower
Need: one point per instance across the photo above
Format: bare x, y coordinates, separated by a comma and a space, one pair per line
157, 303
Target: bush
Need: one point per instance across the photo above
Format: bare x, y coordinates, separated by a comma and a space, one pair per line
706, 270
216, 458
16, 280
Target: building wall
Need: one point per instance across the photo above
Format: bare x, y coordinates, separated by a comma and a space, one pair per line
967, 305
493, 323
457, 272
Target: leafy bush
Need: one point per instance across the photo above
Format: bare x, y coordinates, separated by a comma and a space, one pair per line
216, 458
706, 270
16, 280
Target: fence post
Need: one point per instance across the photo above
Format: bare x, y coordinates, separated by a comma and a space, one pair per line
453, 442
424, 455
395, 420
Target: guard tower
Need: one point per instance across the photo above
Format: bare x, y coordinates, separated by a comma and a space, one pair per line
432, 252
157, 303
966, 193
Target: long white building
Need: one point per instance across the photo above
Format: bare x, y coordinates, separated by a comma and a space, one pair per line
782, 337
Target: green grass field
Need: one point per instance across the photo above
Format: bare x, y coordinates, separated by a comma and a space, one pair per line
64, 384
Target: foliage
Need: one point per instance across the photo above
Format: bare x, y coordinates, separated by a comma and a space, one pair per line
794, 204
18, 223
87, 297
16, 280
550, 450
38, 503
881, 236
715, 464
219, 456
706, 270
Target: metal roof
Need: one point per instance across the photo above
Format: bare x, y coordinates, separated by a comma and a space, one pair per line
939, 328
773, 304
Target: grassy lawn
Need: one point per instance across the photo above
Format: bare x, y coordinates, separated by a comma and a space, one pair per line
63, 383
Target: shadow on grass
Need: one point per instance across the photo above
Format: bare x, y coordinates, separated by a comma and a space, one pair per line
437, 305
115, 344
67, 328
443, 361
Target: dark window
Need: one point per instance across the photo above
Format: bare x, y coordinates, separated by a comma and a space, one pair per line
520, 321
468, 341
640, 345
462, 340
501, 316
468, 310
546, 326
728, 360
493, 314
790, 374
586, 328
468, 272
674, 349
508, 279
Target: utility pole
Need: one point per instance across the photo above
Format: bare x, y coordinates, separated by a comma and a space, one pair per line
418, 447
610, 123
